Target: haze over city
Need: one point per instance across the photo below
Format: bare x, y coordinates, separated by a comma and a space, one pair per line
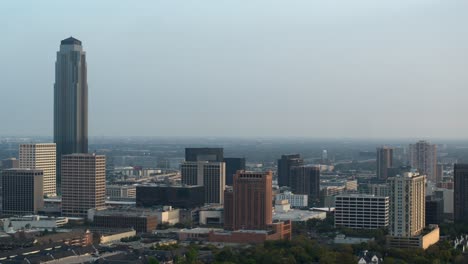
319, 69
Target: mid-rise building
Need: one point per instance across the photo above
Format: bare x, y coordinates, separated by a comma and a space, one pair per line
41, 156
384, 161
306, 180
423, 157
186, 196
434, 210
295, 200
460, 205
83, 183
10, 163
70, 101
251, 203
210, 175
362, 211
284, 167
379, 189
120, 192
232, 166
22, 191
141, 220
407, 204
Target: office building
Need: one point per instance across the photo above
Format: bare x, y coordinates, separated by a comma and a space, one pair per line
284, 167
384, 162
142, 220
41, 156
434, 210
295, 200
306, 180
83, 183
10, 163
232, 166
121, 192
460, 203
210, 175
362, 211
186, 196
251, 203
407, 204
204, 154
423, 157
22, 191
70, 101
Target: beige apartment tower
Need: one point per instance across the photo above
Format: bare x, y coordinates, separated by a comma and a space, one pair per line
41, 156
423, 157
83, 183
407, 204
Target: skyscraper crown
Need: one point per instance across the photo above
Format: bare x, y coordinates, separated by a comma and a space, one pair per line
70, 41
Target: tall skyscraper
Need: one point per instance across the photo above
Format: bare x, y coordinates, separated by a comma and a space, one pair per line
250, 202
210, 175
204, 154
460, 194
384, 162
70, 101
41, 156
232, 166
306, 180
423, 157
284, 166
22, 191
83, 183
407, 204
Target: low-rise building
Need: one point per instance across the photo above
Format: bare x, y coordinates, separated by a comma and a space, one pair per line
428, 237
115, 237
34, 222
211, 215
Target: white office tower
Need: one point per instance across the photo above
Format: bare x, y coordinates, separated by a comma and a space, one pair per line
40, 156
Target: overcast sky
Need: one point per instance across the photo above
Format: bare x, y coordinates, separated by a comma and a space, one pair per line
313, 68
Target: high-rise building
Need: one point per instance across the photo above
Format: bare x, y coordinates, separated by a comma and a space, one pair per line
460, 195
232, 166
362, 211
423, 157
250, 203
384, 161
306, 180
41, 156
22, 191
204, 154
70, 101
407, 204
439, 173
434, 210
83, 183
284, 167
210, 175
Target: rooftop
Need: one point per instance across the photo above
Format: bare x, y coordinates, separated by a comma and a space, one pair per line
70, 41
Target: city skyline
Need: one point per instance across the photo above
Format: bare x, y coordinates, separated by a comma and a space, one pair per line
292, 71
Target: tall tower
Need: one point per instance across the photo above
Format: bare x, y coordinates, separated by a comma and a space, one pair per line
84, 183
210, 175
70, 101
284, 166
384, 162
407, 204
306, 180
250, 202
423, 157
40, 156
460, 194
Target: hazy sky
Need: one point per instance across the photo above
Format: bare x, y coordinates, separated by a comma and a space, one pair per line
314, 68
